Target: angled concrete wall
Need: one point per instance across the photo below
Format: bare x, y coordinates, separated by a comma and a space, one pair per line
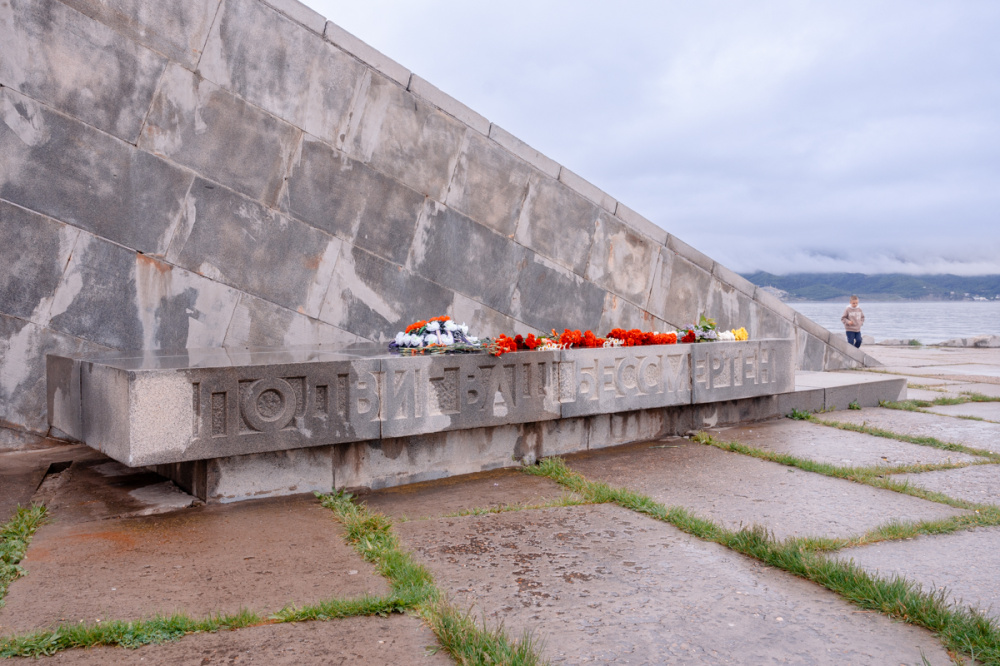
197, 173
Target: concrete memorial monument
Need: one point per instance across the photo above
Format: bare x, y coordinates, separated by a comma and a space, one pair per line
244, 174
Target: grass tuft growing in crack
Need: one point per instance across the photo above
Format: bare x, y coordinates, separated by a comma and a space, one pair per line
961, 630
932, 442
15, 535
412, 585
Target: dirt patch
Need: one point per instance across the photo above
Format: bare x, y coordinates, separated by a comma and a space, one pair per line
259, 555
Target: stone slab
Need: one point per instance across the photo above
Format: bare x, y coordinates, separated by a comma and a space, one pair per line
642, 225
559, 224
836, 447
245, 244
85, 69
977, 434
366, 53
271, 62
213, 559
992, 390
397, 639
603, 381
739, 491
96, 488
989, 411
620, 259
300, 13
968, 580
588, 190
978, 483
22, 472
177, 29
423, 88
741, 369
197, 124
517, 147
601, 584
547, 296
92, 181
485, 490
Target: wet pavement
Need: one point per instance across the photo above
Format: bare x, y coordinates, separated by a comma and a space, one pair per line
595, 583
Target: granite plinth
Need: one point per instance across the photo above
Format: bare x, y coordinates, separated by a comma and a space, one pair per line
361, 408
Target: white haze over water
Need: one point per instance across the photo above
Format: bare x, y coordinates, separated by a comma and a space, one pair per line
773, 135
927, 321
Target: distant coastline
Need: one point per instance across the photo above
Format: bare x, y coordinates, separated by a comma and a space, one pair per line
888, 288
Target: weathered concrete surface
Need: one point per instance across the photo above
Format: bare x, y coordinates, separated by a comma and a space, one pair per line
601, 584
962, 563
22, 472
989, 411
738, 491
486, 490
259, 555
837, 447
979, 434
980, 483
397, 639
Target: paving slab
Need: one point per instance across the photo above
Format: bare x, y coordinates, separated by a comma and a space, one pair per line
432, 499
600, 584
963, 563
95, 487
992, 390
397, 639
260, 554
739, 491
813, 441
989, 411
924, 394
977, 434
22, 472
978, 483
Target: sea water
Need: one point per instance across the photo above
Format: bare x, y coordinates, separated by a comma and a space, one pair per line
926, 321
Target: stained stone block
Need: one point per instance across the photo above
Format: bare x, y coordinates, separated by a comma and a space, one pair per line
53, 54
549, 296
487, 266
734, 279
731, 308
620, 259
619, 313
489, 185
771, 325
616, 429
272, 62
485, 322
688, 295
375, 299
773, 303
659, 291
91, 180
700, 259
403, 136
588, 190
811, 352
812, 328
448, 104
425, 394
29, 279
349, 199
366, 54
195, 123
642, 225
62, 390
604, 381
158, 409
517, 147
260, 323
241, 243
177, 29
732, 370
120, 299
23, 346
300, 13
558, 223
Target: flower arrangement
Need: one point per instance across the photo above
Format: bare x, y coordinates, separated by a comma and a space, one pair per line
437, 335
441, 335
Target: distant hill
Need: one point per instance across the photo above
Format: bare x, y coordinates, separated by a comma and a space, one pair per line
886, 287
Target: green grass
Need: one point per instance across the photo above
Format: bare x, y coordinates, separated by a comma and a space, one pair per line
911, 439
962, 630
15, 535
460, 635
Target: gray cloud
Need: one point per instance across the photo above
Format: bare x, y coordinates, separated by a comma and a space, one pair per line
781, 136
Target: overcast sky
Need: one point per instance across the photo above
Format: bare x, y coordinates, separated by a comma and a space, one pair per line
785, 136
